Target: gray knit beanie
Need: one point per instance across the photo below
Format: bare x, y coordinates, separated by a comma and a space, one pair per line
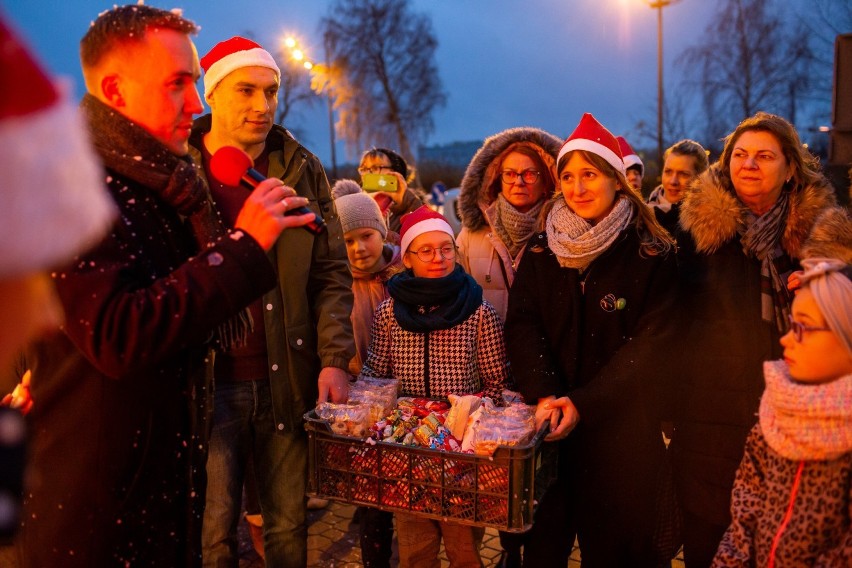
356, 209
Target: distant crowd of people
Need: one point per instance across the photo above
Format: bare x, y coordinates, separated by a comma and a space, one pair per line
168, 326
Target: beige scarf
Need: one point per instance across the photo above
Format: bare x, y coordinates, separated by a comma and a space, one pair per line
575, 241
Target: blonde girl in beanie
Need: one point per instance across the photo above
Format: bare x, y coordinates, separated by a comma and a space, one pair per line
793, 490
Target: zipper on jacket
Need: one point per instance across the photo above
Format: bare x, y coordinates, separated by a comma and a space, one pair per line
793, 492
428, 389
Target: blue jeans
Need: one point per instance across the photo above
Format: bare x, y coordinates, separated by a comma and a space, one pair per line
243, 426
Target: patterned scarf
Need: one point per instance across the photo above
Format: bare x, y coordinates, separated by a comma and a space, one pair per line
429, 304
659, 200
132, 152
804, 421
761, 239
513, 227
575, 241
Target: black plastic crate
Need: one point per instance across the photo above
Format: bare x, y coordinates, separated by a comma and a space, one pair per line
498, 491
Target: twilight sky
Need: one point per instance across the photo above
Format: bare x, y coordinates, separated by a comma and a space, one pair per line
503, 63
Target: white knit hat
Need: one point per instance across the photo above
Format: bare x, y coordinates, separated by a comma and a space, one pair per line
230, 55
591, 136
55, 202
356, 209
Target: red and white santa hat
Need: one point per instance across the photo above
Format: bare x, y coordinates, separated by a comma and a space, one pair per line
55, 202
591, 136
422, 220
230, 55
630, 156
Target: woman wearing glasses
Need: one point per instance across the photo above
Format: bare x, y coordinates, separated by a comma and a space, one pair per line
437, 336
747, 222
502, 192
589, 311
403, 200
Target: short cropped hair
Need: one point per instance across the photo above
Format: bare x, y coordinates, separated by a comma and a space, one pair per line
692, 148
127, 24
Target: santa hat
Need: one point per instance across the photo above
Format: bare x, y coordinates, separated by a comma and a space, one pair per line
630, 156
422, 220
356, 209
55, 202
591, 136
230, 55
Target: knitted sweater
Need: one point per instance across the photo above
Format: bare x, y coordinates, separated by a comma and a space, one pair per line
467, 358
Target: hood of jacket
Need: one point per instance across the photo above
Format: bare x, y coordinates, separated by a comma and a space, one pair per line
711, 212
477, 191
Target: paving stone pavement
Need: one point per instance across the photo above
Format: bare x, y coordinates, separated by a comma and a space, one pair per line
333, 543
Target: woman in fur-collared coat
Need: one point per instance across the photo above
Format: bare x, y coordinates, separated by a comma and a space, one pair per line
745, 225
500, 202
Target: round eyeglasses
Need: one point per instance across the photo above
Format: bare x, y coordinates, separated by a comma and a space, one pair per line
427, 254
511, 176
799, 328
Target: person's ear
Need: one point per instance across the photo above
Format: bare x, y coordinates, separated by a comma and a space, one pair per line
405, 262
111, 91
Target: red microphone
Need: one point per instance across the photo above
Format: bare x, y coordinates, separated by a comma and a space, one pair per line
233, 167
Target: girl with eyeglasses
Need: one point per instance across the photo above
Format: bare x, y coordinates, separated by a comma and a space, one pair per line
589, 313
793, 490
437, 336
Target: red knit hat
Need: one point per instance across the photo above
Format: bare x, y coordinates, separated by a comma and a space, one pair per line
230, 55
630, 156
55, 202
422, 220
591, 136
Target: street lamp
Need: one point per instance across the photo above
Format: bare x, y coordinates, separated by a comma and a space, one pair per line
659, 5
291, 44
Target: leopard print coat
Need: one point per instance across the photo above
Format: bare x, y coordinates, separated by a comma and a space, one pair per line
818, 532
465, 359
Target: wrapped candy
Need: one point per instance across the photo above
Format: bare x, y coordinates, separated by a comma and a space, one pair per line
346, 419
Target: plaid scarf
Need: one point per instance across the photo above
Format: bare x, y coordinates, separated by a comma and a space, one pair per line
761, 239
132, 152
575, 241
805, 421
513, 227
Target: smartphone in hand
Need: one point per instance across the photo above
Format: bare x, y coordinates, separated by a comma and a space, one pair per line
379, 182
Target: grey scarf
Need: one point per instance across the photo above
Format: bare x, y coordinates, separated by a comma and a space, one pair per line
575, 241
513, 227
761, 239
132, 152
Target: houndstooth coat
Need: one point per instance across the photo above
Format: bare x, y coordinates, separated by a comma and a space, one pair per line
467, 358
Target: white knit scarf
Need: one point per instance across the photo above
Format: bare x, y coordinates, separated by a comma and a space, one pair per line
575, 241
804, 421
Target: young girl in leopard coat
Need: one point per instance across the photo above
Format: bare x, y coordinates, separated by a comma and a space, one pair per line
792, 495
437, 336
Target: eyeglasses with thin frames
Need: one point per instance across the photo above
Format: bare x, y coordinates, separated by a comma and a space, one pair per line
374, 170
511, 176
799, 328
427, 254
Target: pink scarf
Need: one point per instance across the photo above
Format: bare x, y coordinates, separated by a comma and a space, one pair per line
802, 421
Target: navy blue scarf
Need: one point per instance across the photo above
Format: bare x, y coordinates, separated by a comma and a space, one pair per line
429, 304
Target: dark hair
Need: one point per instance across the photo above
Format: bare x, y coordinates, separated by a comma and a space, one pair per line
805, 165
653, 237
127, 24
397, 162
687, 147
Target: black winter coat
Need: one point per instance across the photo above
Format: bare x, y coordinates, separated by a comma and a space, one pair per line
119, 425
595, 337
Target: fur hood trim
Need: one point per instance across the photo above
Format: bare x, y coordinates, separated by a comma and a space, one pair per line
711, 212
831, 236
477, 192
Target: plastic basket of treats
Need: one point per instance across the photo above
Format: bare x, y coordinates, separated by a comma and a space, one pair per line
465, 459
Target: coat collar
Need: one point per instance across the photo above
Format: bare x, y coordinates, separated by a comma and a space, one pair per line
711, 212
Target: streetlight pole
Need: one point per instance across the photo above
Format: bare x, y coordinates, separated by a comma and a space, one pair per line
659, 5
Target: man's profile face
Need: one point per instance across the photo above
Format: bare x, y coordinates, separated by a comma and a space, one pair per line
243, 107
158, 86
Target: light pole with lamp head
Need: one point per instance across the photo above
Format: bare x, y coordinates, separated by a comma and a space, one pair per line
659, 5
